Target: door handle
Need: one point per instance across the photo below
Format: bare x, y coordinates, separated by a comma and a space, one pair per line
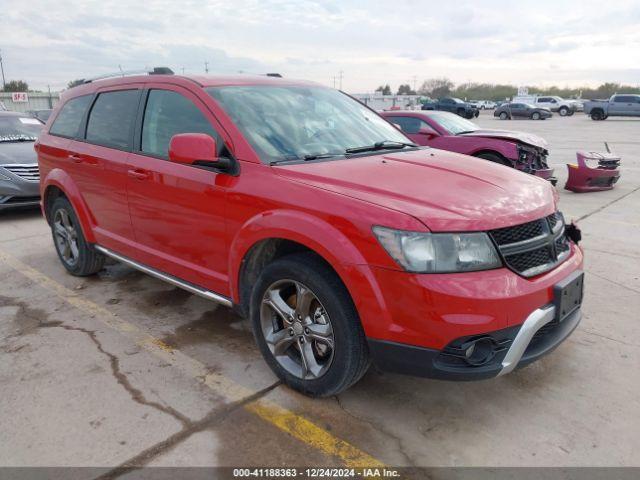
75, 158
138, 174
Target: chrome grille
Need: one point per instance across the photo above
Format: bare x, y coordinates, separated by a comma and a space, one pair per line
27, 172
535, 247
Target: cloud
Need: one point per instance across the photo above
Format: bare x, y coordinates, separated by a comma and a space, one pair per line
374, 42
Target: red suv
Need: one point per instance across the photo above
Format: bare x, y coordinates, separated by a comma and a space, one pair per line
342, 241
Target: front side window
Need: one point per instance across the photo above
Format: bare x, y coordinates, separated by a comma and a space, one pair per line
68, 121
410, 125
112, 118
291, 122
167, 114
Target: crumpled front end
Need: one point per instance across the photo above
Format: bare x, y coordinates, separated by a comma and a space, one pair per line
533, 160
593, 172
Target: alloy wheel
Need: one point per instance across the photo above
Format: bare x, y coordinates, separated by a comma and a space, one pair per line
66, 237
297, 329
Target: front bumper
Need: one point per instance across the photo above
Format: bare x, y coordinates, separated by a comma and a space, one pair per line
17, 192
515, 347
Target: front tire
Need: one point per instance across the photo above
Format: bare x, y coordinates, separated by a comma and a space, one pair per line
495, 158
597, 115
563, 111
307, 327
76, 255
535, 116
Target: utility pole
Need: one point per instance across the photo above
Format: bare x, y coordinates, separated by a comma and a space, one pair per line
50, 101
206, 67
415, 79
4, 84
334, 81
341, 72
182, 70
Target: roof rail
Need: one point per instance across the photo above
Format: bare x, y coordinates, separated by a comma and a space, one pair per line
126, 73
277, 75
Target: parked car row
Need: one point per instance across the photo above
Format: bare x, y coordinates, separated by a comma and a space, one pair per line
343, 240
453, 105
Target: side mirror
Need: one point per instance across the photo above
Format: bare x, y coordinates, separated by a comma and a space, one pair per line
427, 133
197, 149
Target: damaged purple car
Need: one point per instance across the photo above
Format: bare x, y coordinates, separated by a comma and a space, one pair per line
447, 131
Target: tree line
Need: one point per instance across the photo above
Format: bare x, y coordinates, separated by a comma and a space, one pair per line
443, 87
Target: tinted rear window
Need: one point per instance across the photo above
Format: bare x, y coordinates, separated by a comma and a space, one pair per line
68, 120
112, 118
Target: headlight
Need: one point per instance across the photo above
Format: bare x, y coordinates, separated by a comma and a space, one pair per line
438, 252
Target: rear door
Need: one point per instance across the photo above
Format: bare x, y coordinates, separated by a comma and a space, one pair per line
100, 158
178, 211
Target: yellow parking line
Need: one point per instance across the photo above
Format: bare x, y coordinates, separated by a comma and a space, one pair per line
295, 425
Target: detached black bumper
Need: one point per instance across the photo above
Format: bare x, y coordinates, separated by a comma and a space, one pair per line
513, 347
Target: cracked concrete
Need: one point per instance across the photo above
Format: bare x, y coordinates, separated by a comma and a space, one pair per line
75, 392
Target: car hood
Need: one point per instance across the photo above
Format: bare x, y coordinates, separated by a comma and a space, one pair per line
528, 138
17, 152
444, 190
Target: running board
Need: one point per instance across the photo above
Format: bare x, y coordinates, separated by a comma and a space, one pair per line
209, 295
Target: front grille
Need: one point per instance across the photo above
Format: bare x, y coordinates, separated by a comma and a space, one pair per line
503, 236
26, 172
535, 247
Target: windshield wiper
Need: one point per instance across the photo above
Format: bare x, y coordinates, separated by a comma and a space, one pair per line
383, 145
312, 156
316, 156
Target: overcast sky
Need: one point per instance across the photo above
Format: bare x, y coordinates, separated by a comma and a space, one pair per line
539, 42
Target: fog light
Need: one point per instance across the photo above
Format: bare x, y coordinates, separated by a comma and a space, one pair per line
479, 351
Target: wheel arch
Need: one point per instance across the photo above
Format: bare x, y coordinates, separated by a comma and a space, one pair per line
271, 235
58, 183
498, 153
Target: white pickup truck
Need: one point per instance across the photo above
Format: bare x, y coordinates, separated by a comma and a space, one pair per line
619, 105
553, 103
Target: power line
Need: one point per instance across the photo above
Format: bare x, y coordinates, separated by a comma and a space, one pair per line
4, 84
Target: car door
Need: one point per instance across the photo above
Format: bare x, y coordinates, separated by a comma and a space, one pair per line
100, 164
618, 105
518, 110
178, 211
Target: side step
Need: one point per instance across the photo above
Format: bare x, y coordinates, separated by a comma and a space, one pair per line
209, 295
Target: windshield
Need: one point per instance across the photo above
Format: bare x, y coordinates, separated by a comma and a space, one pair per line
14, 128
292, 122
452, 123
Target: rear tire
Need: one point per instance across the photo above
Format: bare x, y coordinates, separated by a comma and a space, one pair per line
504, 115
297, 302
77, 256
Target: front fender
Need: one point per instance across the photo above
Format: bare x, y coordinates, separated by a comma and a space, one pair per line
324, 239
61, 179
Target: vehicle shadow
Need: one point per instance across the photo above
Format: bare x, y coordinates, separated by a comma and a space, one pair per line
20, 214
